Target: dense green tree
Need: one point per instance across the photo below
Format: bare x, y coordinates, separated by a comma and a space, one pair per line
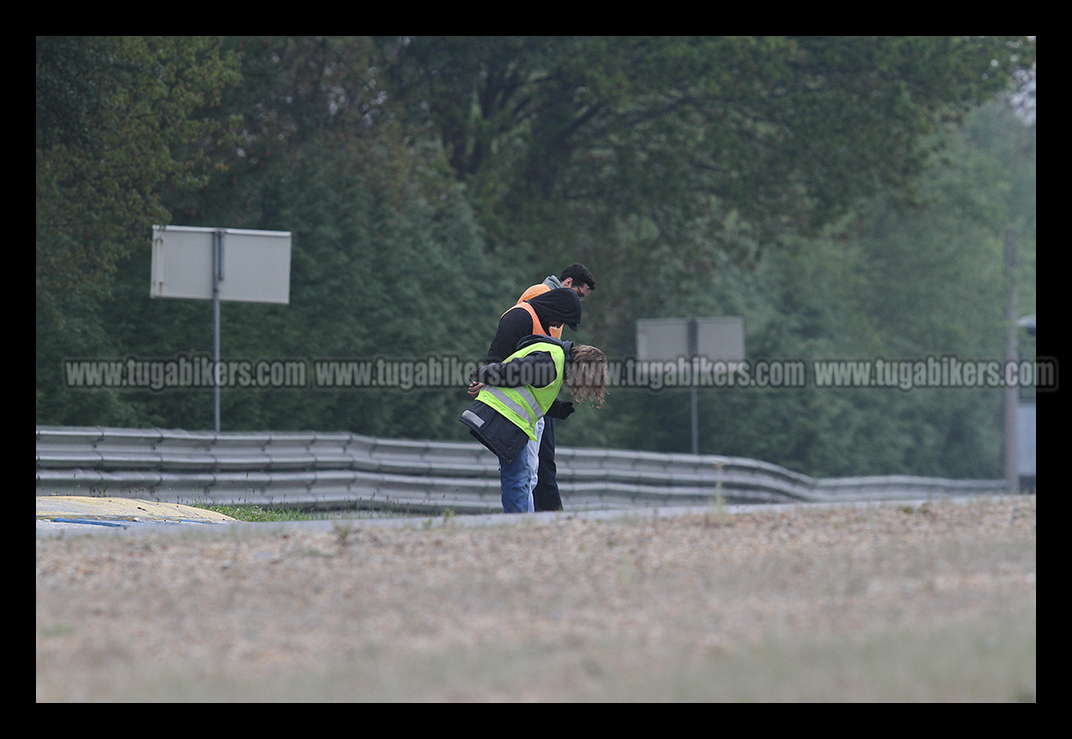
120, 120
428, 180
383, 241
887, 282
786, 131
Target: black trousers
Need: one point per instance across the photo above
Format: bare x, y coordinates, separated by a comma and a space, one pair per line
545, 496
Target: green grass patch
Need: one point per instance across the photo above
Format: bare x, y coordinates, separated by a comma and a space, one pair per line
256, 513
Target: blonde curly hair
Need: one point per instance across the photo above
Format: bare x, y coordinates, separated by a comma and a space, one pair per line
587, 376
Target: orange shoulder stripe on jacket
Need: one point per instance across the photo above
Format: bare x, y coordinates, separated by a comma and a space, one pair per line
537, 327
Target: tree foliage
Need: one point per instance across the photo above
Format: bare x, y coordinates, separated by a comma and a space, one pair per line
846, 195
786, 131
120, 120
884, 283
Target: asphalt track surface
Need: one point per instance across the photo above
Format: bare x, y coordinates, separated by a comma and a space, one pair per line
859, 602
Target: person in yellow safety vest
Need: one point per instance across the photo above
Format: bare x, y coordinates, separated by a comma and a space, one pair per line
535, 316
508, 414
524, 319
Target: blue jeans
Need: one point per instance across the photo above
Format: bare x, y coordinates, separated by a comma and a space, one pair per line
518, 478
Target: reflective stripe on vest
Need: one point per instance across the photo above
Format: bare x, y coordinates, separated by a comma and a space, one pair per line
531, 409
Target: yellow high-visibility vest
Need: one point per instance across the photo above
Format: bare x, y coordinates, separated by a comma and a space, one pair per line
526, 405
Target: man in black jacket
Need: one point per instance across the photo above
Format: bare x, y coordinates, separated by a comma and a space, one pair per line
552, 308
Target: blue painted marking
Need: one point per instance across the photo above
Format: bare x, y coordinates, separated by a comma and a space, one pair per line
93, 522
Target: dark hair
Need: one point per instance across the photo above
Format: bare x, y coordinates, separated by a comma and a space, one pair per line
579, 273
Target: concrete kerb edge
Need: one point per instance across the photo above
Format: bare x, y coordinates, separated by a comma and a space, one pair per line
497, 519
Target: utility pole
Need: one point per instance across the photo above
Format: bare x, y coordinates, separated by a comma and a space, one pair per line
217, 278
1012, 351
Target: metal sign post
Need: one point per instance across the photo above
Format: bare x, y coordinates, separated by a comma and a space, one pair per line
694, 402
217, 278
191, 262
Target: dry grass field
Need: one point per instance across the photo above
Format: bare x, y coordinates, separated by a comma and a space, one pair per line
932, 602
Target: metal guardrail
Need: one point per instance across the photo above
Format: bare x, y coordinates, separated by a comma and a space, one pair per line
340, 470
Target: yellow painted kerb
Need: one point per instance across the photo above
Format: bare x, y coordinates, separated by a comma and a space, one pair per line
73, 506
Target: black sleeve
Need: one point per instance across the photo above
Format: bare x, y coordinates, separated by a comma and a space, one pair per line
536, 369
561, 410
513, 327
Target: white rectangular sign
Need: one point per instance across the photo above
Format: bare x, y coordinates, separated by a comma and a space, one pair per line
256, 264
667, 339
